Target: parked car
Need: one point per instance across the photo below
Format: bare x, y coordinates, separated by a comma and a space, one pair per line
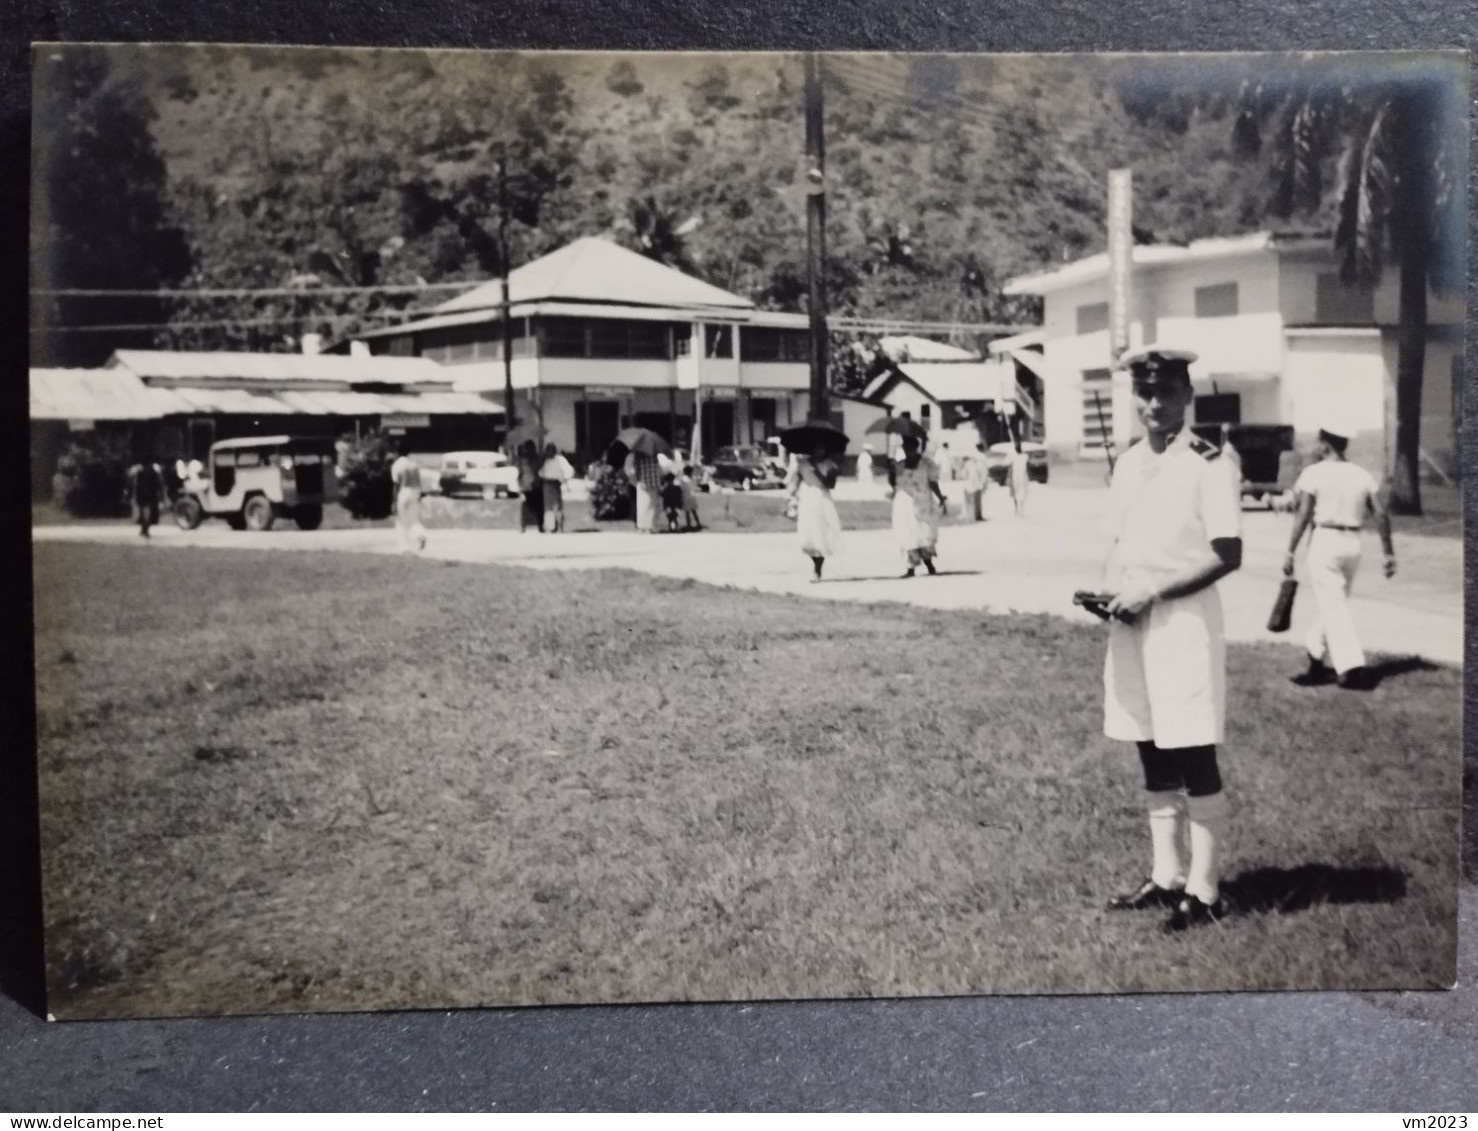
252, 482
746, 467
998, 461
487, 475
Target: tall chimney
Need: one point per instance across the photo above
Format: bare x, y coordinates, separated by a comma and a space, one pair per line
312, 344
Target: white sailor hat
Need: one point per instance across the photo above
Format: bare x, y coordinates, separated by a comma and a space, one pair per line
1150, 361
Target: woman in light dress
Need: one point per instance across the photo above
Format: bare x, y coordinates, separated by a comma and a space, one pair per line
554, 473
818, 526
915, 484
406, 476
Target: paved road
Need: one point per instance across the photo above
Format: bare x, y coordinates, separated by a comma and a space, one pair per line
1031, 564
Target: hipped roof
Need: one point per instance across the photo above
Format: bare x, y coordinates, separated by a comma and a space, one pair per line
596, 270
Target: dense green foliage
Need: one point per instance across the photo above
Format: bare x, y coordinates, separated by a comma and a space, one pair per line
311, 168
365, 488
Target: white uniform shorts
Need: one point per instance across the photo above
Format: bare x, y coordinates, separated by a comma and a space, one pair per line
1165, 677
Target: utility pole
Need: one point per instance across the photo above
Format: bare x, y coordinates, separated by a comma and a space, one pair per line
506, 308
816, 236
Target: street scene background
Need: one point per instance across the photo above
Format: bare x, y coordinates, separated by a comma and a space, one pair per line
606, 766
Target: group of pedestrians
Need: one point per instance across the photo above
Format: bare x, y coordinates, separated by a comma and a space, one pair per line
913, 485
542, 476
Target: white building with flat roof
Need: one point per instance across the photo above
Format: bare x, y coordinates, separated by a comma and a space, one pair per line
1280, 341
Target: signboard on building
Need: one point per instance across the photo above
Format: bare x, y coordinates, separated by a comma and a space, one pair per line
1121, 252
722, 392
611, 391
405, 420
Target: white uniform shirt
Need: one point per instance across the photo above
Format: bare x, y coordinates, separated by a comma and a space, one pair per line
556, 468
1166, 508
1341, 492
405, 474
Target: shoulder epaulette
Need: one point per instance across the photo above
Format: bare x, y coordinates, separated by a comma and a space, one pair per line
1205, 449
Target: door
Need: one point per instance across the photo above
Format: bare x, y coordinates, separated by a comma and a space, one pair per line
596, 427
202, 434
718, 425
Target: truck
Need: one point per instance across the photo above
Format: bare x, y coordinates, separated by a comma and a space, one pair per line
251, 482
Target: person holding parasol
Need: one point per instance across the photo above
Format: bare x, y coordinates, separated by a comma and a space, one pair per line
810, 481
914, 481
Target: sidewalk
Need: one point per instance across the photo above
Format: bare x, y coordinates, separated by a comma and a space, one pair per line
1027, 565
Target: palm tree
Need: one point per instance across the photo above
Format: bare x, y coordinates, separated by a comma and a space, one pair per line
1397, 194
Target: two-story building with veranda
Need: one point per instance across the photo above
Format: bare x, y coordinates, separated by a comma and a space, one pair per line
603, 338
1280, 341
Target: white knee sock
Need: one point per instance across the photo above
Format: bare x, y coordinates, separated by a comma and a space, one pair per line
1167, 813
1208, 821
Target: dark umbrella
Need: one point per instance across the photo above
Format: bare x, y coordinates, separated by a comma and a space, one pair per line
805, 438
643, 441
899, 426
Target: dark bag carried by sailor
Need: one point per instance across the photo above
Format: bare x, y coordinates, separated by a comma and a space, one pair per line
1282, 615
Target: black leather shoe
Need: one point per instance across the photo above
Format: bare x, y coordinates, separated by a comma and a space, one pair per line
1147, 895
1192, 912
1318, 675
1357, 679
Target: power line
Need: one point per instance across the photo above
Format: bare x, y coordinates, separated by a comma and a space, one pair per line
835, 322
216, 324
253, 292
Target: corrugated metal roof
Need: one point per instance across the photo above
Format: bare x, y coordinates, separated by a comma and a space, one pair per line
188, 365
597, 270
448, 404
97, 394
229, 402
118, 394
907, 347
335, 404
775, 318
958, 380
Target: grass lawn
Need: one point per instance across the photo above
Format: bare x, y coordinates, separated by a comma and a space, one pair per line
330, 781
754, 512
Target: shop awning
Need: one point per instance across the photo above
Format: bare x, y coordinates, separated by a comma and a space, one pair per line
97, 394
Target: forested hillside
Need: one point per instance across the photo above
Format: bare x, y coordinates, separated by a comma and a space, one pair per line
209, 167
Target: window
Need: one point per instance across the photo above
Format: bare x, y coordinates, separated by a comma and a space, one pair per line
770, 343
604, 338
458, 345
1219, 301
1098, 407
562, 337
925, 411
719, 341
1339, 305
403, 346
1093, 317
649, 340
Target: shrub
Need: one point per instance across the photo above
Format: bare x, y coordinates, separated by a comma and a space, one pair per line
92, 480
610, 498
365, 489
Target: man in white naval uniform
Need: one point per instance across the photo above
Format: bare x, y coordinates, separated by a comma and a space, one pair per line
1334, 496
1176, 512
